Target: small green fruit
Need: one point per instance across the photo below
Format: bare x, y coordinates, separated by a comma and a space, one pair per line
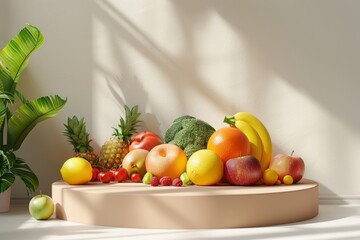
147, 178
41, 207
185, 178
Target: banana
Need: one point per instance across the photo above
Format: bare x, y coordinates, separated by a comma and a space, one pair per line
259, 127
263, 134
253, 136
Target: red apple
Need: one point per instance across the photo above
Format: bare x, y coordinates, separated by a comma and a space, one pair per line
245, 170
145, 140
284, 164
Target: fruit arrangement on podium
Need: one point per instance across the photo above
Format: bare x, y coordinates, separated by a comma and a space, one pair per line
220, 175
190, 152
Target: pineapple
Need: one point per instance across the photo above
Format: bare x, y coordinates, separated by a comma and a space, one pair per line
75, 131
114, 150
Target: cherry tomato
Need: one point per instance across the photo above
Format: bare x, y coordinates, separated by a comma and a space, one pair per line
145, 140
104, 177
95, 172
121, 175
136, 177
112, 173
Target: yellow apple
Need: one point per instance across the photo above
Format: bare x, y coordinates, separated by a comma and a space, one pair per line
134, 161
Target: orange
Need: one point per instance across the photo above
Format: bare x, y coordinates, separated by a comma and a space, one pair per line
204, 168
229, 142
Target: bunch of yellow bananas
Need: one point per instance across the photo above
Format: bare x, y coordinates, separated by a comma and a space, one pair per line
256, 132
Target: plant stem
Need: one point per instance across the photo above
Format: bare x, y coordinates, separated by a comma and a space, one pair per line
230, 120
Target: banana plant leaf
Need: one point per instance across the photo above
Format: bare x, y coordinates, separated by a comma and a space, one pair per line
15, 126
28, 115
22, 170
3, 110
14, 58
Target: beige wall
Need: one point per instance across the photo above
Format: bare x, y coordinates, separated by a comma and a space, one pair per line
3, 20
294, 64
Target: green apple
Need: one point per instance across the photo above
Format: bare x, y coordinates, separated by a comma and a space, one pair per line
41, 207
147, 178
185, 179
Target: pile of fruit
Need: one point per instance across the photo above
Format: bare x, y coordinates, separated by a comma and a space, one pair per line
192, 152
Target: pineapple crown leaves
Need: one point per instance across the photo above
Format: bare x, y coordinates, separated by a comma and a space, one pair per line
127, 127
75, 131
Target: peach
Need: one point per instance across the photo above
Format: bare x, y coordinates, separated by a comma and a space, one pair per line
166, 160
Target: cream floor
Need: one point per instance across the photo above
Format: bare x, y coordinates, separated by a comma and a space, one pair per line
333, 222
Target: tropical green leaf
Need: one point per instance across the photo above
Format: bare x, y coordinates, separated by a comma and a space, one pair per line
3, 111
8, 96
21, 97
14, 58
7, 161
22, 170
6, 181
28, 115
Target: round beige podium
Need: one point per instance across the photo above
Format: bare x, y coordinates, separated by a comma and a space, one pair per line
136, 205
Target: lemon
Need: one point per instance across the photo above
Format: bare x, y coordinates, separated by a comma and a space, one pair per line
76, 170
288, 180
270, 176
205, 167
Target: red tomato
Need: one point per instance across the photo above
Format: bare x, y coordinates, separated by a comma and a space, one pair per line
112, 174
145, 140
95, 172
104, 177
136, 177
121, 175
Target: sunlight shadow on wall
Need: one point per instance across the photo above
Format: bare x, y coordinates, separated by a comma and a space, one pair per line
176, 75
211, 59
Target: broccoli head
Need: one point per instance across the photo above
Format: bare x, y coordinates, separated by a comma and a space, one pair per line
189, 133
